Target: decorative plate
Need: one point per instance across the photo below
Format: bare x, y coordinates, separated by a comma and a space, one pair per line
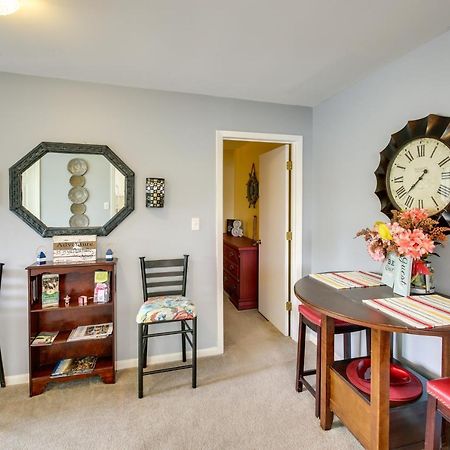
78, 208
77, 166
78, 194
77, 180
79, 221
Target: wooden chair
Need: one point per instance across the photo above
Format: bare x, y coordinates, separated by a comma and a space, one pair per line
438, 408
308, 317
165, 301
2, 372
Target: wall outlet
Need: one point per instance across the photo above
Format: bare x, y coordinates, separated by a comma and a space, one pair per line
195, 223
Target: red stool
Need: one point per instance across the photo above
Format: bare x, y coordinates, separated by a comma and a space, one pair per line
310, 318
438, 408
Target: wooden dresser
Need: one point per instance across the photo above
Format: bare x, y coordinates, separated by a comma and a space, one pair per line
240, 271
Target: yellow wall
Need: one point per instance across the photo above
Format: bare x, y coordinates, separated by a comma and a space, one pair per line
228, 184
243, 154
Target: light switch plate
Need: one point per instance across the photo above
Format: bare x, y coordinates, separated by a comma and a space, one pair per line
195, 223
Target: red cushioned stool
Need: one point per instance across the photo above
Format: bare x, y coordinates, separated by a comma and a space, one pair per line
308, 317
438, 408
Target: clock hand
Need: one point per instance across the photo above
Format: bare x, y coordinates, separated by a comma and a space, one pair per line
414, 185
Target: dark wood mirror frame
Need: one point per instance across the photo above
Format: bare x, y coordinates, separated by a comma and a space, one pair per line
15, 188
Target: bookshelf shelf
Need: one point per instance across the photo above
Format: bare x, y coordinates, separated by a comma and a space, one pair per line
74, 280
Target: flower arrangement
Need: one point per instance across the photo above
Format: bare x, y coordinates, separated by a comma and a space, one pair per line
410, 233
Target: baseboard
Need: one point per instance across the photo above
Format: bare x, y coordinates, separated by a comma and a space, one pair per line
130, 363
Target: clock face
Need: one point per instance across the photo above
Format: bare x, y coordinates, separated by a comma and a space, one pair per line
419, 176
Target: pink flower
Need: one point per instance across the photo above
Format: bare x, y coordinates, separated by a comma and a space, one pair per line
376, 251
415, 214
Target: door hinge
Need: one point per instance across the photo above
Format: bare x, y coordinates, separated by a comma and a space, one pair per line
289, 165
289, 235
288, 306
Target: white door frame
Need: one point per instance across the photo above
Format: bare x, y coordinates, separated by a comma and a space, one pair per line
296, 143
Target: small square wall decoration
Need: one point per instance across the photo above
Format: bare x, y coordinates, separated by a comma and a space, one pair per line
154, 192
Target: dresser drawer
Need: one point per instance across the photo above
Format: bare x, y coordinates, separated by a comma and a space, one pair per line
231, 285
231, 267
231, 254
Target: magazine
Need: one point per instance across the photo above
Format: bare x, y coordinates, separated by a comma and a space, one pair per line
97, 331
50, 290
74, 366
44, 338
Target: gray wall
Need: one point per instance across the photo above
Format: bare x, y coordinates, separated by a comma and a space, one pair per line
350, 130
157, 134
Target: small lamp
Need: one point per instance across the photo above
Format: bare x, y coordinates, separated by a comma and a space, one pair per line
8, 7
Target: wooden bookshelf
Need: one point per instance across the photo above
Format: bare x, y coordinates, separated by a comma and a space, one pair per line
75, 279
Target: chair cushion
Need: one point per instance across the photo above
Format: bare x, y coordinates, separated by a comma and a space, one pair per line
440, 389
316, 318
160, 309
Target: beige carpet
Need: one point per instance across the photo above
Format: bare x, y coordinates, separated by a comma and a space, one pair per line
245, 400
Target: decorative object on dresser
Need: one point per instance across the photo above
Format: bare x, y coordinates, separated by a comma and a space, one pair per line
75, 280
154, 192
414, 168
38, 188
237, 230
240, 271
165, 306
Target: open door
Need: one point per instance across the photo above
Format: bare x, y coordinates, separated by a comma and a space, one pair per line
274, 248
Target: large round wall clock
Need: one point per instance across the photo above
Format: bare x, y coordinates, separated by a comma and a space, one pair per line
414, 169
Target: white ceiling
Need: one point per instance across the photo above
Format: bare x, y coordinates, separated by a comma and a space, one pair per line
284, 51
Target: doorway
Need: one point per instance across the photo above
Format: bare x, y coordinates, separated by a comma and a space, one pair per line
280, 178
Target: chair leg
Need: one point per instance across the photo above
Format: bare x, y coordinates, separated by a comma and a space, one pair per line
300, 355
368, 341
347, 345
194, 352
318, 371
2, 372
145, 346
183, 340
141, 360
433, 426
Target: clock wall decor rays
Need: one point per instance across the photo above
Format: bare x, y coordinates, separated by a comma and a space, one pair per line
414, 169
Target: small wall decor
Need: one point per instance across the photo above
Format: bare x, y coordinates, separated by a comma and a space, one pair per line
78, 194
252, 188
154, 192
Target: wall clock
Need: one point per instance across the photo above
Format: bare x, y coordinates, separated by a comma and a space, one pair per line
414, 169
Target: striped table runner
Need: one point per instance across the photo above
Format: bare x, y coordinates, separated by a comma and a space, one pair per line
347, 280
419, 311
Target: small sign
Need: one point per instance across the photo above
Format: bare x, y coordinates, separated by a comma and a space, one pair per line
388, 275
67, 249
402, 280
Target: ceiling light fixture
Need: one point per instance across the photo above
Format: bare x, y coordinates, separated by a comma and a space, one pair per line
8, 7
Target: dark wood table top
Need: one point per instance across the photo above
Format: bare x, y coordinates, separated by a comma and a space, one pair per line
347, 305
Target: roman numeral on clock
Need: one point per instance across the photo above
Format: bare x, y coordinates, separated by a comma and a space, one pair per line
435, 202
420, 203
445, 175
421, 150
432, 153
409, 155
401, 192
409, 201
444, 161
444, 190
400, 179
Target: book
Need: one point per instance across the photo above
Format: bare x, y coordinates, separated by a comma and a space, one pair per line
44, 338
97, 331
50, 290
69, 249
101, 289
74, 366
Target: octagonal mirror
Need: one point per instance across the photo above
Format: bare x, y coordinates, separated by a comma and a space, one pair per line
61, 189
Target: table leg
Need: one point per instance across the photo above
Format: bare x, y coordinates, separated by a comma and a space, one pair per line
379, 391
327, 359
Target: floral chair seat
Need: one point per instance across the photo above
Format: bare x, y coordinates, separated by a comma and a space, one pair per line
160, 309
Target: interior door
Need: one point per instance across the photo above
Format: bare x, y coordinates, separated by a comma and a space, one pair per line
273, 224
